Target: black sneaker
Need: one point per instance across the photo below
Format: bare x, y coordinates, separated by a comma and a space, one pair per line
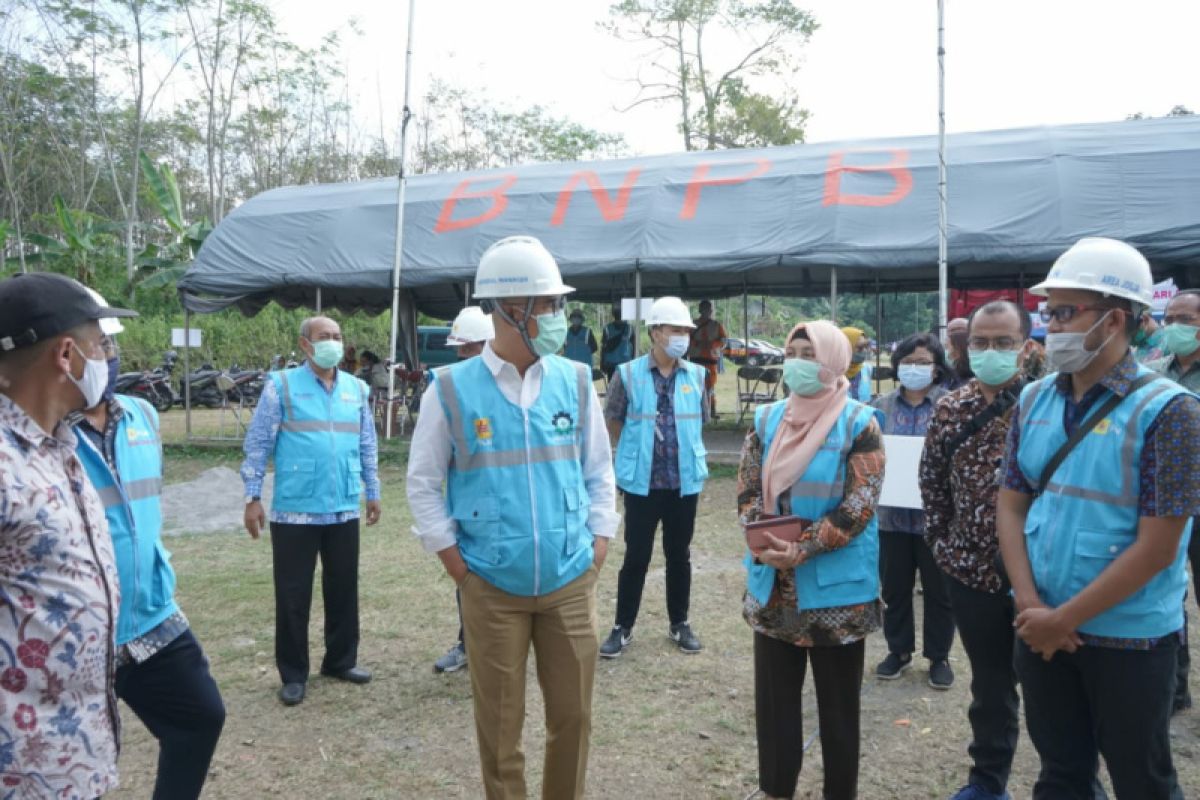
616, 642
682, 635
893, 667
940, 675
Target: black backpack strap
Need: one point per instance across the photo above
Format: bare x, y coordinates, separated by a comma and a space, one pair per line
1086, 428
1003, 402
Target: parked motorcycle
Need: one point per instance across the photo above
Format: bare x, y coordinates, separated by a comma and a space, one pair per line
203, 387
153, 386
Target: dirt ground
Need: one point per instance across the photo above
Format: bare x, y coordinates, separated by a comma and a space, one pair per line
665, 725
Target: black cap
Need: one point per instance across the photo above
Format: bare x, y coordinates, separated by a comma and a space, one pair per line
38, 306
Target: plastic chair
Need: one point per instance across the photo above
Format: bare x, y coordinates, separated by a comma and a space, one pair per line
757, 385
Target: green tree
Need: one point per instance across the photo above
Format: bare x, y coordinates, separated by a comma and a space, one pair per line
682, 41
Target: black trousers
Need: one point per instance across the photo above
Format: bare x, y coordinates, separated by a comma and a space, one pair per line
642, 515
294, 550
176, 698
1185, 659
901, 556
985, 626
1101, 701
779, 670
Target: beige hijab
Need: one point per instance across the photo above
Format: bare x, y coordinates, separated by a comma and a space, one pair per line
808, 420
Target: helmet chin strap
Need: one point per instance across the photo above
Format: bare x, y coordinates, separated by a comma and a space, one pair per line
521, 329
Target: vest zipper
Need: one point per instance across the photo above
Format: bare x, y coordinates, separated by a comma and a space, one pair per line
537, 550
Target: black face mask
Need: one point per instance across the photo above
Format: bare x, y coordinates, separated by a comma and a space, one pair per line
114, 369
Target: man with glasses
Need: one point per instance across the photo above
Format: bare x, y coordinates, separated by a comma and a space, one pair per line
962, 459
1181, 340
58, 573
162, 672
517, 437
1102, 479
315, 421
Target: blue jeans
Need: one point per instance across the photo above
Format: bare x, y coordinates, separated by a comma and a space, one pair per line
1101, 701
175, 696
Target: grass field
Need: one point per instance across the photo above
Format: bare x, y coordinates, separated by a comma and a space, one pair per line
666, 725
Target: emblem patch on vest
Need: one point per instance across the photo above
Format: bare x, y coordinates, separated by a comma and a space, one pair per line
686, 388
1102, 426
483, 429
563, 424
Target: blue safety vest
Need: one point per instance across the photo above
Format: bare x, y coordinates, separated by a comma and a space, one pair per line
1088, 514
635, 450
515, 486
134, 513
624, 350
850, 574
576, 347
862, 393
318, 466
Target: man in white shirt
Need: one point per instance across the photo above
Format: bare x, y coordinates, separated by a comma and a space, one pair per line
518, 438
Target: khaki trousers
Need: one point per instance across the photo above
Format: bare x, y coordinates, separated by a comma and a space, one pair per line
499, 629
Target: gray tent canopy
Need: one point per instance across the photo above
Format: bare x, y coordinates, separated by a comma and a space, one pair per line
778, 220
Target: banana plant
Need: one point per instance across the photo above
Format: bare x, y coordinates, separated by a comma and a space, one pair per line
166, 263
83, 237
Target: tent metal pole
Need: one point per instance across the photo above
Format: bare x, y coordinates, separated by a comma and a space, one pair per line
746, 317
402, 184
833, 295
878, 330
637, 308
318, 300
466, 293
187, 371
943, 231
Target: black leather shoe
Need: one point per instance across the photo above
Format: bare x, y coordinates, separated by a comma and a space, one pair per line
292, 694
352, 675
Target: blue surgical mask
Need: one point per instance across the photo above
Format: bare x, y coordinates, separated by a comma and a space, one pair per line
676, 346
802, 376
916, 377
552, 332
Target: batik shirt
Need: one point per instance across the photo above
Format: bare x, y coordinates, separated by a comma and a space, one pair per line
59, 595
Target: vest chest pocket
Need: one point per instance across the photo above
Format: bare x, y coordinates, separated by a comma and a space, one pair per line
295, 478
1094, 551
477, 515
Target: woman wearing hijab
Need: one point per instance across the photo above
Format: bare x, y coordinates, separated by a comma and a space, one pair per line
818, 455
859, 372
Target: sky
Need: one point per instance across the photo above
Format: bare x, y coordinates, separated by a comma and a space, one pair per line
869, 71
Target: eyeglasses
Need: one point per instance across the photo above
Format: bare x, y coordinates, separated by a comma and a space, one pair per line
110, 348
999, 343
1182, 319
541, 305
1065, 314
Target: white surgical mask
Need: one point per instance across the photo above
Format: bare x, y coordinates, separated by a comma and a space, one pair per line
676, 346
1067, 353
94, 380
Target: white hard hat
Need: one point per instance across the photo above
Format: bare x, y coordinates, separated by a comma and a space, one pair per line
1107, 266
470, 326
670, 311
108, 325
518, 266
